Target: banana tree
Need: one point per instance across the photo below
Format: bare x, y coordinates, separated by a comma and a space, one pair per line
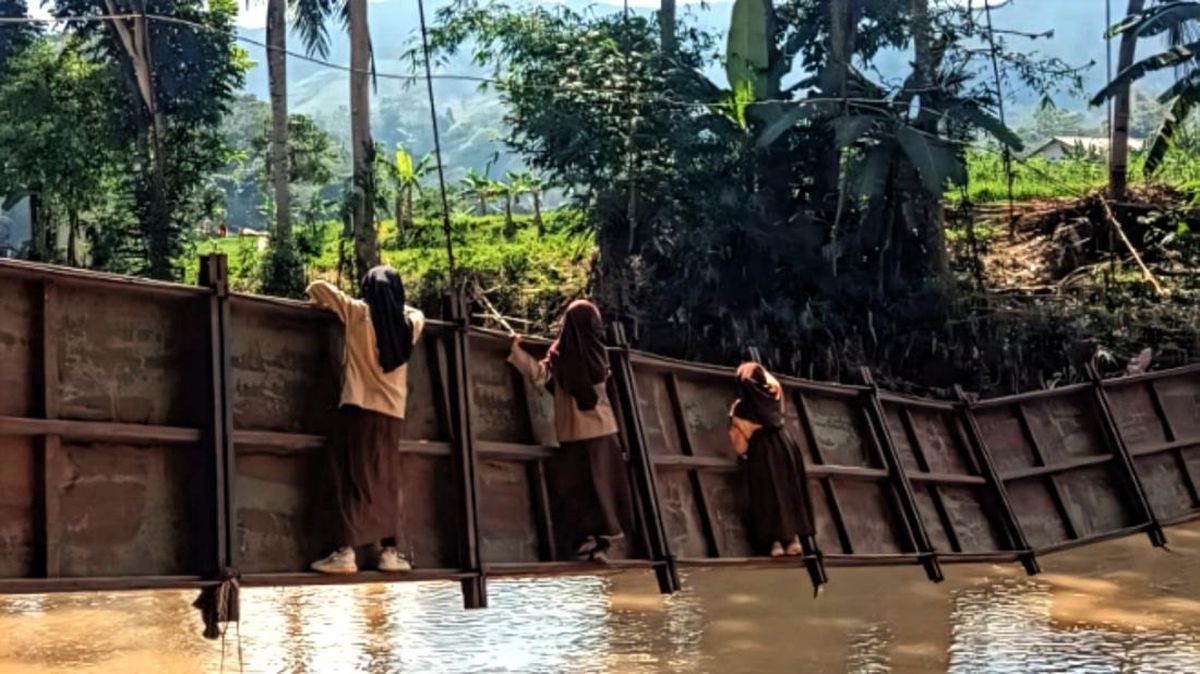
407, 176
533, 184
1182, 97
507, 191
477, 186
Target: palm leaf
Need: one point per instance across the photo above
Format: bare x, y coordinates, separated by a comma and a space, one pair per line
937, 161
309, 19
1172, 57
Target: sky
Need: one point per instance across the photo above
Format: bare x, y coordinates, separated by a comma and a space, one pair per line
253, 14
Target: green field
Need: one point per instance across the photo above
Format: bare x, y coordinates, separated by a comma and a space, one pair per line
1070, 178
528, 275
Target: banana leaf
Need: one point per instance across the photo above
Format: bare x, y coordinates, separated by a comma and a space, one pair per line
1165, 138
847, 129
870, 180
1172, 57
1155, 20
970, 113
938, 161
747, 52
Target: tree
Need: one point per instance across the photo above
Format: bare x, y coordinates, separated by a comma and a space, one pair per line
279, 169
180, 78
478, 186
531, 183
16, 36
666, 26
56, 137
1118, 161
407, 176
1050, 120
362, 148
733, 235
1181, 98
508, 192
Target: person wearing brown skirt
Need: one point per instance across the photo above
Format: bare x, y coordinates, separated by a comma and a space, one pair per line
781, 519
587, 477
364, 458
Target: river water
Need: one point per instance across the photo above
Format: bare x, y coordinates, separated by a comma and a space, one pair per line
1120, 606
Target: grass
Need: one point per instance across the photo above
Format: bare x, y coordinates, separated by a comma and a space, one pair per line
528, 275
1070, 178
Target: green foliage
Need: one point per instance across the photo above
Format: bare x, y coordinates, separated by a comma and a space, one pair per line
14, 37
56, 135
530, 276
169, 144
282, 269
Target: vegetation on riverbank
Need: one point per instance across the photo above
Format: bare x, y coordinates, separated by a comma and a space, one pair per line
527, 276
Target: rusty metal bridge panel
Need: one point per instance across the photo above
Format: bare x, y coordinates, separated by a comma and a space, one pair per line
160, 435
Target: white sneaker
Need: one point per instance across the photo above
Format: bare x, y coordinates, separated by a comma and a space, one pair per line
341, 561
777, 549
391, 560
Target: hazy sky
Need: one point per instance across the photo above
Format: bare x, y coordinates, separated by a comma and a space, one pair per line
255, 15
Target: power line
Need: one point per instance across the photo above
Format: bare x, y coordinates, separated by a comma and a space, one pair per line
437, 144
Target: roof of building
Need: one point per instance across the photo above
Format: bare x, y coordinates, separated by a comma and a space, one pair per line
1091, 144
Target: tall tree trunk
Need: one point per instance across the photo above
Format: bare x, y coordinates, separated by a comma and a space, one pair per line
666, 26
399, 210
537, 213
1118, 159
277, 74
37, 229
408, 206
843, 18
482, 204
366, 248
510, 227
924, 209
72, 232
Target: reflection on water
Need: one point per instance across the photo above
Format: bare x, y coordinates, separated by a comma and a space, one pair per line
1121, 606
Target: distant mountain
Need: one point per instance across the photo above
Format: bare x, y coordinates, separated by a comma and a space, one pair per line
472, 121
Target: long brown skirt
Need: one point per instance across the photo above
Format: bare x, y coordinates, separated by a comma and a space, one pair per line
365, 471
780, 507
589, 490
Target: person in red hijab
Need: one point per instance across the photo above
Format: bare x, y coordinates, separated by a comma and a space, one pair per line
587, 476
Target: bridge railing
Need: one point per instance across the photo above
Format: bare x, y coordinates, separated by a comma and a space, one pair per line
157, 435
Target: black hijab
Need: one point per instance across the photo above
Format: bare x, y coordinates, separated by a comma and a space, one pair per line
383, 291
577, 359
760, 402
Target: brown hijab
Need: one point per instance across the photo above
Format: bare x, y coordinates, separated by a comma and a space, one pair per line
577, 359
761, 398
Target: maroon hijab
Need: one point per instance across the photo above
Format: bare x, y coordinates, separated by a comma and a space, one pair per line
759, 402
577, 359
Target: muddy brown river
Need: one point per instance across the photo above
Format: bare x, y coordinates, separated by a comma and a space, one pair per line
1120, 606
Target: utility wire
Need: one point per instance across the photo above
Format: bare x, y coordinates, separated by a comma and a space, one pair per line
437, 144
